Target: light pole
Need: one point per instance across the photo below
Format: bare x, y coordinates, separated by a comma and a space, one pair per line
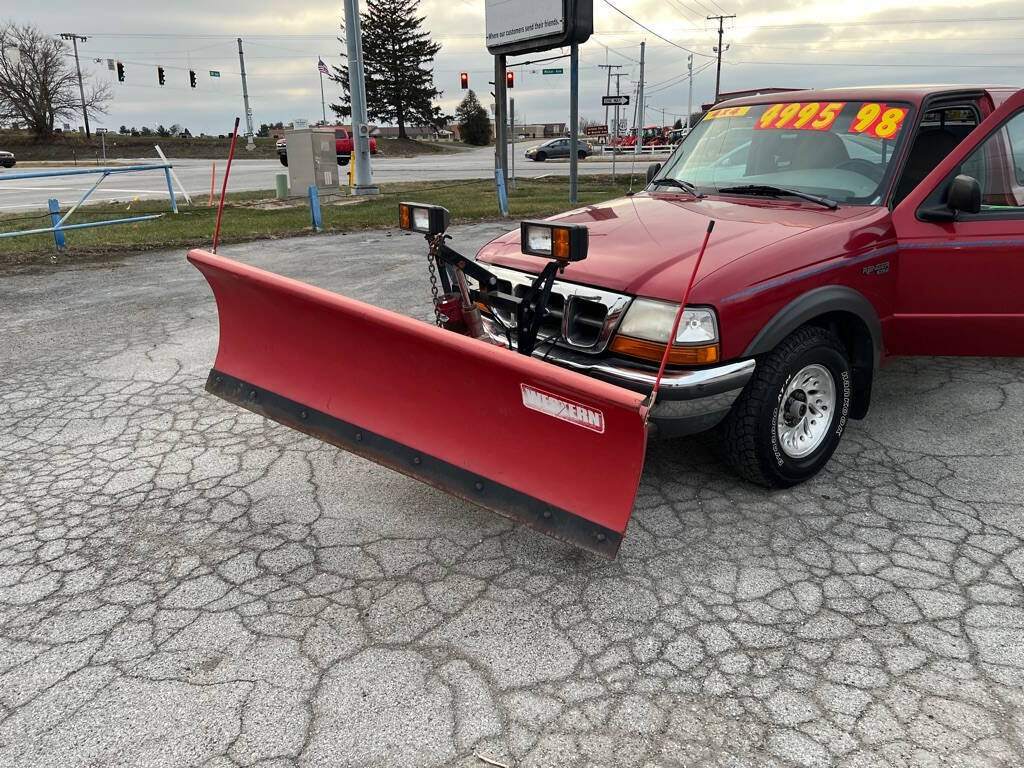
689, 100
362, 174
721, 31
81, 88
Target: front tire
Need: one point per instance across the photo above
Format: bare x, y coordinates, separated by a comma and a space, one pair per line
540, 157
788, 421
284, 160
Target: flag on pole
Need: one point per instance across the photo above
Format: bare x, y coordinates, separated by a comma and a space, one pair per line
322, 67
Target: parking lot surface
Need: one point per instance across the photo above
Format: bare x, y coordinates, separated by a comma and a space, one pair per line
183, 583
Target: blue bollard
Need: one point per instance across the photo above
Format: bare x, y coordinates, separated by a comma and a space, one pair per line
58, 234
499, 182
314, 207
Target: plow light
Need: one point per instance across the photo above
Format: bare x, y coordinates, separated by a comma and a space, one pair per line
428, 219
563, 242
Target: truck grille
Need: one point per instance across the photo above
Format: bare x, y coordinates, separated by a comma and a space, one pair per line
582, 317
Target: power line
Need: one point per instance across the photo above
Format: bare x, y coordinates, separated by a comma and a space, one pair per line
886, 23
932, 65
660, 37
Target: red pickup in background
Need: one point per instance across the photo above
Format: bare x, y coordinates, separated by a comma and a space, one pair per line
343, 146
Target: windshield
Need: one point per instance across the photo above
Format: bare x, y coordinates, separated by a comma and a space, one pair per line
841, 150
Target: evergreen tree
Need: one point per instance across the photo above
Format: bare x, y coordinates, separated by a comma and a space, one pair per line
398, 57
678, 124
474, 124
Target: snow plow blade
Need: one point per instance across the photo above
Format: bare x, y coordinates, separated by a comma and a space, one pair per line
553, 449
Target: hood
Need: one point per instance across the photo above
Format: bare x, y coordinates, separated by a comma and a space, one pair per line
646, 245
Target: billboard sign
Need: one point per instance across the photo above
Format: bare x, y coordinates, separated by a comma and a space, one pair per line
527, 26
597, 130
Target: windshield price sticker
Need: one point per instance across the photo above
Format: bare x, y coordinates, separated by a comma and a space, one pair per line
726, 112
800, 116
879, 121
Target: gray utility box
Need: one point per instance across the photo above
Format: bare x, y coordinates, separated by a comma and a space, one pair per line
312, 161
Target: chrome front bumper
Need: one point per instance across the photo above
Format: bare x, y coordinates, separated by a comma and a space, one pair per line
689, 401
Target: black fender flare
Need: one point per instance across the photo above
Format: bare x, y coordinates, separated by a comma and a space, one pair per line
823, 301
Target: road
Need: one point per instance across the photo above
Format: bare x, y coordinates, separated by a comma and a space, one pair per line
246, 175
182, 583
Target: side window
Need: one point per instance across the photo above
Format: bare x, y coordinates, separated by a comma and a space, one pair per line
1015, 133
941, 131
998, 165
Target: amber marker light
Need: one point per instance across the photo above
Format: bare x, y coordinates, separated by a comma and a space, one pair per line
652, 350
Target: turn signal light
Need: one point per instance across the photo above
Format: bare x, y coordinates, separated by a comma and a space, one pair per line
652, 350
563, 242
428, 219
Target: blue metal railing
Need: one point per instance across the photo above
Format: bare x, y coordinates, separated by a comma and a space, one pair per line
59, 223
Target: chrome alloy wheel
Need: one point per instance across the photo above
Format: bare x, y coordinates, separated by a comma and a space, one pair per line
806, 413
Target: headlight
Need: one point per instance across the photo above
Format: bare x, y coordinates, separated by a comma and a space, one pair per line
652, 321
645, 329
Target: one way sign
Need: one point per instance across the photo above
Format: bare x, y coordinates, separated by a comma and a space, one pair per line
614, 101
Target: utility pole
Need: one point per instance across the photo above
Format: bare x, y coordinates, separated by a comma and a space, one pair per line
245, 99
615, 140
608, 88
363, 173
689, 100
81, 88
640, 104
721, 31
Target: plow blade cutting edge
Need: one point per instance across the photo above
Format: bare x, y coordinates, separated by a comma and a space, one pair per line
553, 449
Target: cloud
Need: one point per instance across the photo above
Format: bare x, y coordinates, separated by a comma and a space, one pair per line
776, 43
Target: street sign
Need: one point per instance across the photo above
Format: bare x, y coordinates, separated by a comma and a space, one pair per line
614, 101
597, 130
558, 71
214, 73
527, 26
100, 131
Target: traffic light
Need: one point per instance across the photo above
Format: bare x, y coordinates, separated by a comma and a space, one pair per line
465, 80
120, 72
510, 79
192, 78
160, 75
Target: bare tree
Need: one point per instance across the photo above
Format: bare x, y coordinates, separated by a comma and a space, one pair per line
38, 84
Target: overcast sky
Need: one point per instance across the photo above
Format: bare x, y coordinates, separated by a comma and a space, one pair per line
772, 43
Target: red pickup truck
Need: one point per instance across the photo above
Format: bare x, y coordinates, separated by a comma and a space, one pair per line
789, 246
853, 225
343, 146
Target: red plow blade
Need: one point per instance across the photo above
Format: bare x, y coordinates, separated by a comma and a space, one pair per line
553, 449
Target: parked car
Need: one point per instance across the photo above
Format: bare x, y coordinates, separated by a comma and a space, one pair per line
7, 159
558, 148
343, 147
853, 226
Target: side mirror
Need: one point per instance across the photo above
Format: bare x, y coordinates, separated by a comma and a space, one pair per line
652, 171
964, 194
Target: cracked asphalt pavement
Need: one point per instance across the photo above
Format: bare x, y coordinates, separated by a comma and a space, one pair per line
183, 583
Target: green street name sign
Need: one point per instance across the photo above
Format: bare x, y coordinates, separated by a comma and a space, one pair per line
552, 71
214, 73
